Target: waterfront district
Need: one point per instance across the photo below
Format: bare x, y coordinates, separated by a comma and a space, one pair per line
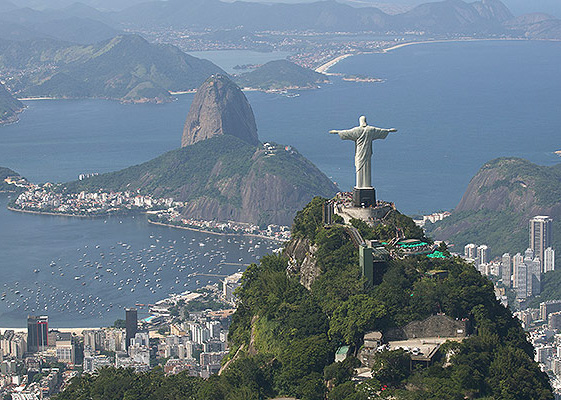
47, 199
189, 331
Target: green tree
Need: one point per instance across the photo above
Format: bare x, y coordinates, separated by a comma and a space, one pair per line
354, 317
392, 367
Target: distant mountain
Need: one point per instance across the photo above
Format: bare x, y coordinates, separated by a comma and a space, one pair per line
321, 16
448, 16
9, 106
536, 26
75, 24
103, 5
451, 16
126, 68
224, 174
498, 203
219, 108
281, 74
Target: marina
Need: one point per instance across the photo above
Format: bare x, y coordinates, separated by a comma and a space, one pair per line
91, 282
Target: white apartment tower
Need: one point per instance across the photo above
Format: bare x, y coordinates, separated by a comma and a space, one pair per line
482, 255
506, 269
470, 251
549, 260
533, 282
521, 281
517, 261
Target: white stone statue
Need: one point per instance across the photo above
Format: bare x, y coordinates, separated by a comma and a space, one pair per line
363, 135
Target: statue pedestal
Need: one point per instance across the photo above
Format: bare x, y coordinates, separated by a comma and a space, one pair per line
364, 197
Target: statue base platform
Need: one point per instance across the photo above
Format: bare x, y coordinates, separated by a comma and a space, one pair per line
370, 215
364, 197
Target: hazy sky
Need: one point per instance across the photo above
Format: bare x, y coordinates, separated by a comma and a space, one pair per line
518, 7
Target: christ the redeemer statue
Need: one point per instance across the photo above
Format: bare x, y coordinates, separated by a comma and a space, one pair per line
363, 135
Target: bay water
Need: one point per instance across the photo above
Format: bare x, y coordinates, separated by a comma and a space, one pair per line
456, 106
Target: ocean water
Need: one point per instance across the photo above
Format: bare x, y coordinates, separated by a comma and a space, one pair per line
456, 106
84, 272
228, 59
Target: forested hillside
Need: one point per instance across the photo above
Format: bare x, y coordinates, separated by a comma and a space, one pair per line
283, 337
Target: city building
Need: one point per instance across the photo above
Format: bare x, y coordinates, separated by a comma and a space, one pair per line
91, 364
482, 255
534, 277
554, 320
549, 260
229, 285
506, 270
13, 344
470, 251
548, 307
131, 325
37, 333
521, 280
517, 261
540, 235
94, 339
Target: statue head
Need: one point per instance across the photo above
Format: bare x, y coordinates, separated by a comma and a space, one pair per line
362, 121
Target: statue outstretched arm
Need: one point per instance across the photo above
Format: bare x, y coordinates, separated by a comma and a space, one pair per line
349, 134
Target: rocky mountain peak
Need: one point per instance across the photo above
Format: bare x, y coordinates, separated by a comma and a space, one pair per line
219, 108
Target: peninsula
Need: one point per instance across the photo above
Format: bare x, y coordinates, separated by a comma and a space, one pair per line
223, 173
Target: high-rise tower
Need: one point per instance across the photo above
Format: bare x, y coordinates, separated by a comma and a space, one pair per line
131, 325
540, 235
37, 332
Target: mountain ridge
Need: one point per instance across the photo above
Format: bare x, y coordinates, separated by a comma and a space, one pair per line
126, 68
498, 203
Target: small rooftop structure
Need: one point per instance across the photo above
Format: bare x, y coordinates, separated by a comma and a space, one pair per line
341, 354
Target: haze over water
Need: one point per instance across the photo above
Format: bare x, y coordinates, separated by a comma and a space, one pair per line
456, 105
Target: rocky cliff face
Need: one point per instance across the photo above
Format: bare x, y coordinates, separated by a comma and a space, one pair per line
513, 184
219, 108
302, 261
265, 194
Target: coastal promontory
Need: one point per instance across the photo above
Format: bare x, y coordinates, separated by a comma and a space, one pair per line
222, 172
10, 107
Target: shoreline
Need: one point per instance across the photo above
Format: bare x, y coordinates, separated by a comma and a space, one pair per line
55, 214
407, 44
214, 233
39, 98
324, 68
147, 219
